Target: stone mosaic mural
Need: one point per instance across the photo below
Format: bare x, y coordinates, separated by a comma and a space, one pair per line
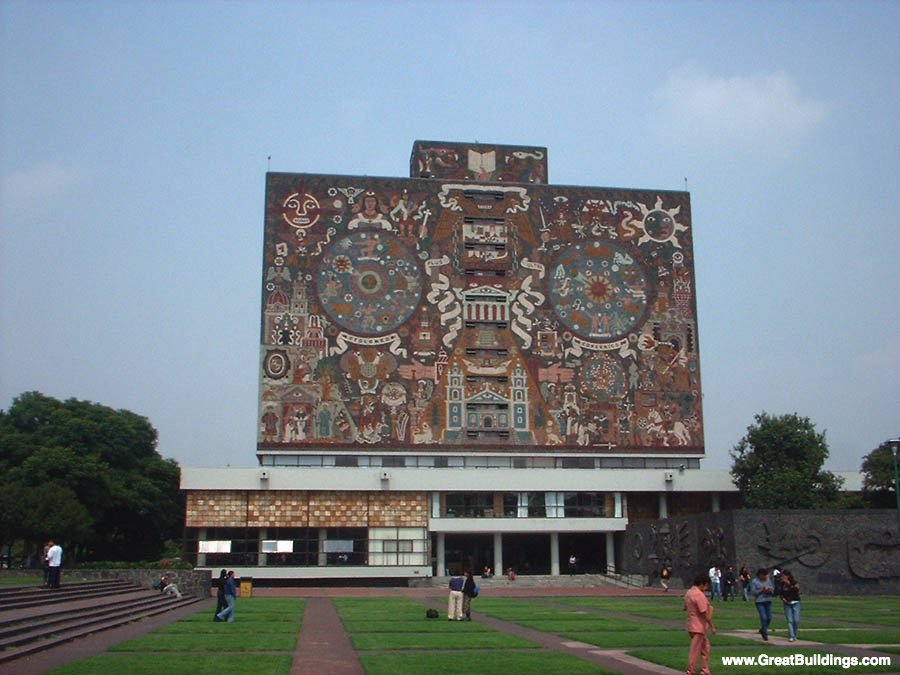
473, 312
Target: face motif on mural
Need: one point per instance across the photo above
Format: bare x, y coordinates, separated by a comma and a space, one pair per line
301, 211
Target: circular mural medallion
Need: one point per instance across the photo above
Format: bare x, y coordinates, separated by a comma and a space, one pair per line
276, 364
599, 291
369, 283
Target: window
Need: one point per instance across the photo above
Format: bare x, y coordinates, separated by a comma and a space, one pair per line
577, 462
510, 504
346, 460
441, 462
584, 504
537, 507
470, 505
393, 461
398, 546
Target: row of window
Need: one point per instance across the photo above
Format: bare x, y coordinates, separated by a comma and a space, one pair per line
480, 462
525, 505
310, 547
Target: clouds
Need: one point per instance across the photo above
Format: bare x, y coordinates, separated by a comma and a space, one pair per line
34, 191
765, 113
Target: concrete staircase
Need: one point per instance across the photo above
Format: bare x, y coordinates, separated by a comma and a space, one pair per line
34, 618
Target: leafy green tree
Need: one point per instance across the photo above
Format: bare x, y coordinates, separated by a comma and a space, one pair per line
878, 477
778, 465
87, 476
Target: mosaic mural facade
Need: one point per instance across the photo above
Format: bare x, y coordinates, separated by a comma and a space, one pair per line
479, 308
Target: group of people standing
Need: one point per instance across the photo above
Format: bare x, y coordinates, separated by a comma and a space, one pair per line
723, 585
698, 605
462, 590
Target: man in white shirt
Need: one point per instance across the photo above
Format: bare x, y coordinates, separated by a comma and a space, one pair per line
54, 560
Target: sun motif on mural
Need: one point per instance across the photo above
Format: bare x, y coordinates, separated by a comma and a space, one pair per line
598, 290
659, 224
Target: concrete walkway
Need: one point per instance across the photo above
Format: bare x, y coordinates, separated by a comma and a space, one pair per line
323, 645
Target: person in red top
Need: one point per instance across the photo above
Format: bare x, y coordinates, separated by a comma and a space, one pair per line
699, 621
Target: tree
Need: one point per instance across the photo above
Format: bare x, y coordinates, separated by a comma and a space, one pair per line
87, 476
878, 477
778, 465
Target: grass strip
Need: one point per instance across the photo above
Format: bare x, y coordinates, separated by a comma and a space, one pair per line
225, 641
179, 664
479, 663
433, 641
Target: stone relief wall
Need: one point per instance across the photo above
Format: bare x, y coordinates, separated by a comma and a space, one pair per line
830, 552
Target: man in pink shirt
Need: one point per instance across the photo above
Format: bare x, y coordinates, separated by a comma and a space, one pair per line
699, 620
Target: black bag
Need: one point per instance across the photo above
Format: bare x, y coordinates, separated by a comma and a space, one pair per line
431, 614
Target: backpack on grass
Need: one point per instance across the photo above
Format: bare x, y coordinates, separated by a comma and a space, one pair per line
431, 613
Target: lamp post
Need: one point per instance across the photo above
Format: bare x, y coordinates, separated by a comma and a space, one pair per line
894, 444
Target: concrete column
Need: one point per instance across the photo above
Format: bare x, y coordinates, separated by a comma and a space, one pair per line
323, 536
716, 503
498, 554
663, 505
617, 496
201, 557
611, 552
554, 553
440, 556
261, 558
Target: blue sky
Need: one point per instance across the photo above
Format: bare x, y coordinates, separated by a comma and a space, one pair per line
134, 139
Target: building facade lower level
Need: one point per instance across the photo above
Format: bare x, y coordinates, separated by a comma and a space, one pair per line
340, 522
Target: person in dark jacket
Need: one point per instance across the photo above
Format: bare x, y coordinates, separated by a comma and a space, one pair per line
790, 597
227, 614
468, 593
220, 595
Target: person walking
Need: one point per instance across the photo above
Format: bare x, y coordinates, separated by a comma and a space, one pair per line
762, 591
469, 591
790, 597
54, 562
220, 595
454, 602
699, 620
227, 614
664, 575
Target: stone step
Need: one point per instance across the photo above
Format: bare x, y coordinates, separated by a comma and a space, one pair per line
80, 625
41, 596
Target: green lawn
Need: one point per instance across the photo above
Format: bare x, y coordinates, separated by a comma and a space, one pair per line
21, 581
393, 637
261, 640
